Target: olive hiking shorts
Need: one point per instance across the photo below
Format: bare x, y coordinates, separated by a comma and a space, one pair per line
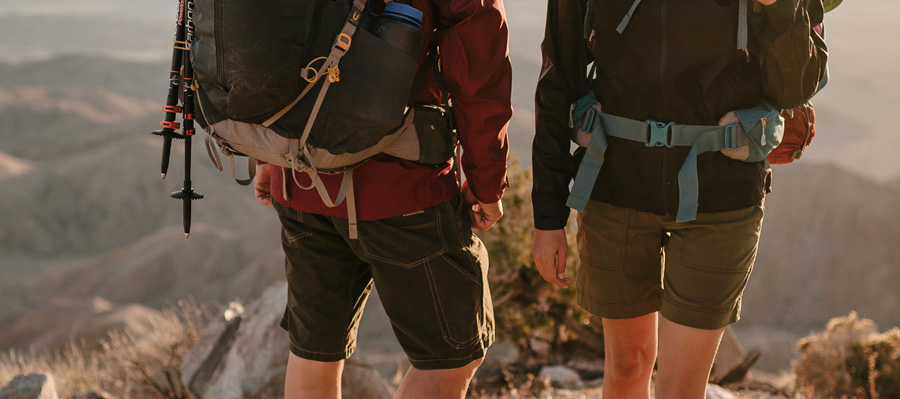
428, 267
635, 263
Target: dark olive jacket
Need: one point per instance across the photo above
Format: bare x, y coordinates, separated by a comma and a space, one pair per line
676, 61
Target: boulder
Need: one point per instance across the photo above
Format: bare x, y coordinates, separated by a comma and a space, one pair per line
243, 354
30, 386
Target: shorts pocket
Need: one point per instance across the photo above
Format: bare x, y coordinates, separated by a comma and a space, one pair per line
293, 228
405, 241
458, 291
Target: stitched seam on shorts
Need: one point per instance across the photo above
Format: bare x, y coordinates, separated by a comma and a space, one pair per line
449, 359
587, 262
693, 309
341, 353
601, 302
439, 309
436, 223
715, 270
459, 236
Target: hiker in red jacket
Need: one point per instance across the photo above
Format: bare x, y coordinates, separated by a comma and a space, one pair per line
673, 206
415, 240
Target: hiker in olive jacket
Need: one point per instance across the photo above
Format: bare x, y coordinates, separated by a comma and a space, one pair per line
663, 61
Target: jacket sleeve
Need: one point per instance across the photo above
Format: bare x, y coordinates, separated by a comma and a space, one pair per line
792, 56
563, 79
474, 45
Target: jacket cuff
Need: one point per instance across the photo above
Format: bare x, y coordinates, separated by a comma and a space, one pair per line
549, 213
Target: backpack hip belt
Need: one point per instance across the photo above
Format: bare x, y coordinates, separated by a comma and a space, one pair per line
762, 123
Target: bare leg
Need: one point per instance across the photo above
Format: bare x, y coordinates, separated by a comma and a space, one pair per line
686, 356
311, 379
437, 384
630, 354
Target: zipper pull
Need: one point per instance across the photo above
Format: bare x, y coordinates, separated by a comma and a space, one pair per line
571, 111
762, 136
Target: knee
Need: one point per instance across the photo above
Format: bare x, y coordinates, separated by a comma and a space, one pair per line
633, 365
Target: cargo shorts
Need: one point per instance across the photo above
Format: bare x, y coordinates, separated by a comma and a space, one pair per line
428, 267
635, 263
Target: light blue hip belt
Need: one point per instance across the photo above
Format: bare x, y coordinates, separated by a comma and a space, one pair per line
766, 127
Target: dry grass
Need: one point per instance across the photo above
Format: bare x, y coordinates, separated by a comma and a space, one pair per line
127, 366
851, 360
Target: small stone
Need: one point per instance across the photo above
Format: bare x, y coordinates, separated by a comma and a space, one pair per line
561, 377
717, 392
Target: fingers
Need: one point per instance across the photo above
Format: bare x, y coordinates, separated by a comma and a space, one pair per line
549, 267
484, 216
728, 119
740, 153
549, 250
263, 198
561, 275
262, 187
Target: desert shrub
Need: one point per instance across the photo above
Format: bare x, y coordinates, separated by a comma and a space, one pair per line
850, 359
127, 366
538, 317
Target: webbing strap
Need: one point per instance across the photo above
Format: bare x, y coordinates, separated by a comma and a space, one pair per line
742, 27
351, 205
595, 155
251, 170
213, 154
338, 50
701, 139
627, 18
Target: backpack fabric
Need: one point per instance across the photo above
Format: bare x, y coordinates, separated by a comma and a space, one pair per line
800, 122
304, 86
762, 128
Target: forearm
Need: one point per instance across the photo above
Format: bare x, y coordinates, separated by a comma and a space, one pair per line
563, 79
478, 75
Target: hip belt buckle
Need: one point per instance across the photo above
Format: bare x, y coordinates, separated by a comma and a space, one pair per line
660, 135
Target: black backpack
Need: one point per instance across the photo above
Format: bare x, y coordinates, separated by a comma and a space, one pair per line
304, 85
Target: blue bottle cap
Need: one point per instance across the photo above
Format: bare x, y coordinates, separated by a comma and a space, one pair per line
405, 11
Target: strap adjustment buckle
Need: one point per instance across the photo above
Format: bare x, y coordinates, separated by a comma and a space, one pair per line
731, 136
660, 134
343, 41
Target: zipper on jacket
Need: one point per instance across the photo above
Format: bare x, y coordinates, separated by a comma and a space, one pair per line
218, 34
663, 92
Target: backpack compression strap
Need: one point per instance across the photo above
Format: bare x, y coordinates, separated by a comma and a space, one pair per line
341, 46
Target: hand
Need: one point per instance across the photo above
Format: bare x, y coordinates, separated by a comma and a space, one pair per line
549, 249
766, 2
483, 215
261, 185
741, 153
585, 137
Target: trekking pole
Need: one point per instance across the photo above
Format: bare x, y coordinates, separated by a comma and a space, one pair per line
187, 193
171, 107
